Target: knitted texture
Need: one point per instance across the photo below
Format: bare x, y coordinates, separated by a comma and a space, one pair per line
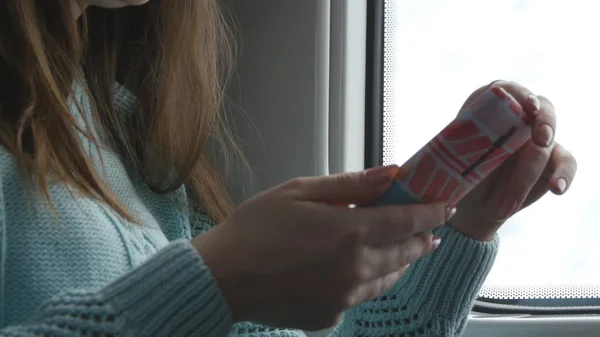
83, 270
433, 298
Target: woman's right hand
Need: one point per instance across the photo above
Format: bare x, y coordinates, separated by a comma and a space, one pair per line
297, 256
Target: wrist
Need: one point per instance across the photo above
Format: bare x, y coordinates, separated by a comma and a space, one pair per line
474, 228
218, 260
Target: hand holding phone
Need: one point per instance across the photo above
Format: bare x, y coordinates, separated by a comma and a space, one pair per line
484, 135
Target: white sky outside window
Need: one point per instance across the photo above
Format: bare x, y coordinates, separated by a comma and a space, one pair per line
439, 51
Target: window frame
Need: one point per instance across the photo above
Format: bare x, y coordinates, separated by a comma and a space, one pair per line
374, 85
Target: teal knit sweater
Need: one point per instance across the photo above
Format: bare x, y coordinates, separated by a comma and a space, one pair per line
85, 271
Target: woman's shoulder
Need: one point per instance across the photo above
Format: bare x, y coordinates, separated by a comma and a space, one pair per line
9, 169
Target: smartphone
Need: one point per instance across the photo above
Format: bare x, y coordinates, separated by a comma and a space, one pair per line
484, 135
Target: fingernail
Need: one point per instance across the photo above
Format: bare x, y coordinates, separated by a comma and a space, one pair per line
450, 211
435, 242
499, 92
561, 183
545, 134
534, 102
508, 208
380, 175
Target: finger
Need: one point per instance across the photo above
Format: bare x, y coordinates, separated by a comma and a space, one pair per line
544, 124
477, 93
373, 289
524, 96
389, 224
530, 163
565, 168
557, 176
539, 108
377, 261
346, 188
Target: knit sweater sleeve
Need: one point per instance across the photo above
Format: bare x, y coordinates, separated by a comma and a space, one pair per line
172, 294
433, 298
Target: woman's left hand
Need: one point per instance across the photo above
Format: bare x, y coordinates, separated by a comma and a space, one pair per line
541, 165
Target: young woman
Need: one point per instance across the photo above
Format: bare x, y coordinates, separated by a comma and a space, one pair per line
109, 119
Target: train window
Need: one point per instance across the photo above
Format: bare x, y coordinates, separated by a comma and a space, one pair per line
430, 55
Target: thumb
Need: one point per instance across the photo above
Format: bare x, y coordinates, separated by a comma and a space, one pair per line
349, 188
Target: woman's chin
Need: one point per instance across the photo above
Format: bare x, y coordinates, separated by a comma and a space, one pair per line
116, 3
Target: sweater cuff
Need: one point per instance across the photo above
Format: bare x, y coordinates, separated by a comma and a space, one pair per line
172, 294
448, 280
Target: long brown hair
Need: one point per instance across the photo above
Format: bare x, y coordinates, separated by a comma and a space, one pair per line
173, 55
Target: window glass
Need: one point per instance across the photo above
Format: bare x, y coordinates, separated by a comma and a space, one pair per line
437, 52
